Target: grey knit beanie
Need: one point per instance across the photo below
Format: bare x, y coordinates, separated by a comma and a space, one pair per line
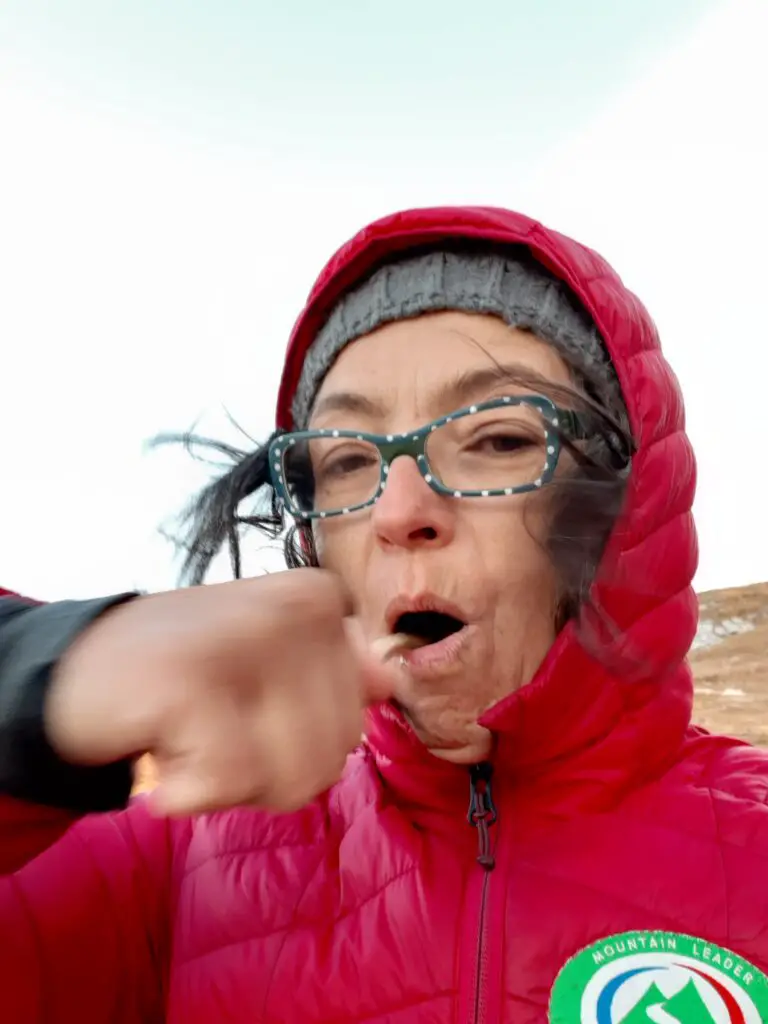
521, 292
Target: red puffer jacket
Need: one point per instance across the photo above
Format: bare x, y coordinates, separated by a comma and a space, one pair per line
410, 892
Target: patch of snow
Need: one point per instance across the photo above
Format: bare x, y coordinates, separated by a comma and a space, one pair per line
710, 632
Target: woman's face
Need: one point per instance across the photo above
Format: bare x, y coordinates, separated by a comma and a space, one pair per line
481, 557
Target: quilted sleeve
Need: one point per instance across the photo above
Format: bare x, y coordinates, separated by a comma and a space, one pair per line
33, 637
85, 924
84, 897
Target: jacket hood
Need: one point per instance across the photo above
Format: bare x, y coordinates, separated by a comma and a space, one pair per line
629, 710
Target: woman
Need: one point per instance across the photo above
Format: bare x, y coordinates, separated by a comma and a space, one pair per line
482, 446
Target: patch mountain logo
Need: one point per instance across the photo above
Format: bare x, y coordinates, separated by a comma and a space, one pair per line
658, 978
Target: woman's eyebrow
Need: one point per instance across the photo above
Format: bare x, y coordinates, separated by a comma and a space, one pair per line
349, 401
459, 390
470, 384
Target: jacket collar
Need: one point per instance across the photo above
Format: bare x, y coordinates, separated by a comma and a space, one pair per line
577, 738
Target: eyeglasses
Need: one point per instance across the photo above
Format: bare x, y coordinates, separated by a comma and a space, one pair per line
505, 446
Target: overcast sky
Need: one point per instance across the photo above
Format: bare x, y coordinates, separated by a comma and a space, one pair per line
174, 175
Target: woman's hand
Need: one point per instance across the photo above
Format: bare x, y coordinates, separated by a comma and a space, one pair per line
245, 693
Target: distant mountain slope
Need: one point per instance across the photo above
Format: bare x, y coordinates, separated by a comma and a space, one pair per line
730, 662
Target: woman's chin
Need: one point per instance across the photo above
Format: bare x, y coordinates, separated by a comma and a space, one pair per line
447, 736
475, 747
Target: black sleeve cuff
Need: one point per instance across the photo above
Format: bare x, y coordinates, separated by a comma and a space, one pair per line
32, 639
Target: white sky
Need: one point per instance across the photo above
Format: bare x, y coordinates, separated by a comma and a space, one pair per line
147, 279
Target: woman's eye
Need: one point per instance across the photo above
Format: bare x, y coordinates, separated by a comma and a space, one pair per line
503, 442
343, 464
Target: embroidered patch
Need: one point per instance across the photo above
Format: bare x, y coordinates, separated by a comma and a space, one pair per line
658, 978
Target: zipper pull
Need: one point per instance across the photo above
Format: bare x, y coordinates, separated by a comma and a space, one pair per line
482, 811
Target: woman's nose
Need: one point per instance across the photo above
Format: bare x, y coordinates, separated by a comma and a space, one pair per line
409, 513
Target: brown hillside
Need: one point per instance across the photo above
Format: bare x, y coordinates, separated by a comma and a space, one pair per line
732, 676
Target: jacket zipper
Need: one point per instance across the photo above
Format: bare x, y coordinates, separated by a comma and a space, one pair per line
482, 815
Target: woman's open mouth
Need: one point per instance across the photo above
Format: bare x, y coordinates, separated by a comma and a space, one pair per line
438, 638
429, 627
